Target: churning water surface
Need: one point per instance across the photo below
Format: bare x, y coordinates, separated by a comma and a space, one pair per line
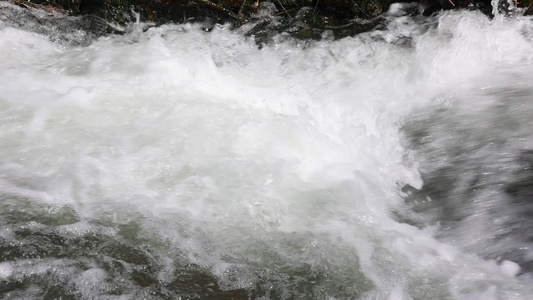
182, 164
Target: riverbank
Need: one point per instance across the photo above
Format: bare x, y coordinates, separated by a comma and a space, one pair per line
302, 19
238, 12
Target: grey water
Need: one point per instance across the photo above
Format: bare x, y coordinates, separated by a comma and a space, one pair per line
174, 163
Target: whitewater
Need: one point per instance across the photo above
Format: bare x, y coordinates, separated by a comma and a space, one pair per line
173, 162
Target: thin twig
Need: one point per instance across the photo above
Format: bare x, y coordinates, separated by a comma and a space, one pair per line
221, 8
48, 8
285, 10
241, 8
364, 13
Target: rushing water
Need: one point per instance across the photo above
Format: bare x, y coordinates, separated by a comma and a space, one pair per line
182, 164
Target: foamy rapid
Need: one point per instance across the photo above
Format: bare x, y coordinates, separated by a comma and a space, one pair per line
182, 164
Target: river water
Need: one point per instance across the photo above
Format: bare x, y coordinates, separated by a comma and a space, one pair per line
175, 163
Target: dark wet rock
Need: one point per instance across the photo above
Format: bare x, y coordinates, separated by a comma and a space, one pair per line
123, 12
307, 24
236, 11
430, 7
79, 22
301, 19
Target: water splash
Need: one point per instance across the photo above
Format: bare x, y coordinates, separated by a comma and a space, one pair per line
181, 163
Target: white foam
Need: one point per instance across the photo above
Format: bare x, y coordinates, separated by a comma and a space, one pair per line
510, 268
221, 149
6, 269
